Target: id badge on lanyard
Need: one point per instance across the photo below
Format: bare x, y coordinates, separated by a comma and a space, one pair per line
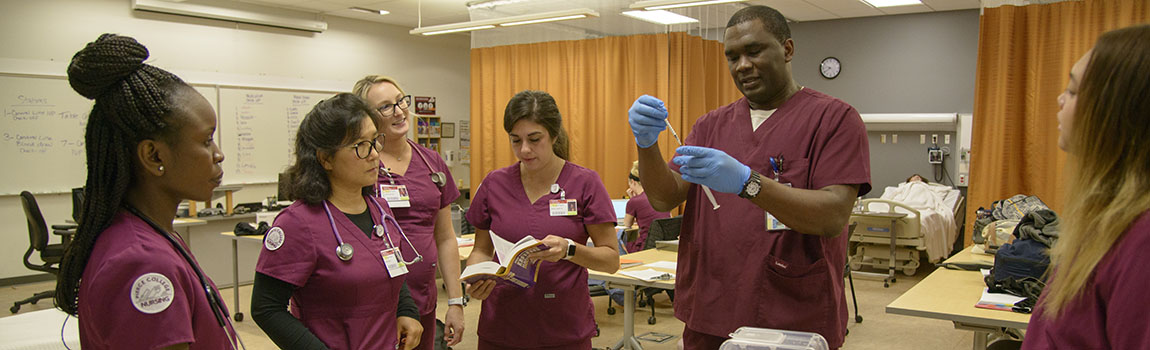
564, 207
395, 195
773, 223
393, 259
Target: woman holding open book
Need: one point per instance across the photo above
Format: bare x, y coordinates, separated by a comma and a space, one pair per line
535, 197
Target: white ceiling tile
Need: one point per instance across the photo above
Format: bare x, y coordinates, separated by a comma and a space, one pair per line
799, 10
948, 5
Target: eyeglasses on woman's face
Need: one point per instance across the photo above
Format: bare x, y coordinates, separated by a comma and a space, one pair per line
391, 109
363, 148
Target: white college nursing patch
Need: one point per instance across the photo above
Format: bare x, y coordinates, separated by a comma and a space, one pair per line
152, 293
274, 238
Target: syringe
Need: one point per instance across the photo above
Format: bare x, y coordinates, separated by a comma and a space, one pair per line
707, 190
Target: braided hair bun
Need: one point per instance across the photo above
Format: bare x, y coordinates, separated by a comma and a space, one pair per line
104, 63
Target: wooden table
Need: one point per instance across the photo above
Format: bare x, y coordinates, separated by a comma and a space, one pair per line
951, 295
629, 285
237, 314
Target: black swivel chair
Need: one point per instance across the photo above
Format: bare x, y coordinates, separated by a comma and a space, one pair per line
660, 230
50, 254
851, 231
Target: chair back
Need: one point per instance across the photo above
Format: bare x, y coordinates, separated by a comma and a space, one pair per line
77, 203
663, 230
37, 229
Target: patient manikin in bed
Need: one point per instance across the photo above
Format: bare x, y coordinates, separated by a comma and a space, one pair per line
936, 204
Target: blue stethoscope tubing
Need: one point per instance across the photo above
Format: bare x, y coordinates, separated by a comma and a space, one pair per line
345, 251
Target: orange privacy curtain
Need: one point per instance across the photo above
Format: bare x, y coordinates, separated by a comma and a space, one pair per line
594, 82
1024, 58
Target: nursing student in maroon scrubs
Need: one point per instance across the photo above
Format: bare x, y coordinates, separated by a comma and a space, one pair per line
785, 164
1096, 293
530, 198
639, 210
337, 253
418, 186
127, 275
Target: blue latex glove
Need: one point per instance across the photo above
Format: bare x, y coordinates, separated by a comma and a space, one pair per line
648, 118
712, 168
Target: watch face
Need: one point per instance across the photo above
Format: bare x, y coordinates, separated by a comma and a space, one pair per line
753, 188
830, 67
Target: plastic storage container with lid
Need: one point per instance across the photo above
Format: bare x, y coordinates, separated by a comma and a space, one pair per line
751, 338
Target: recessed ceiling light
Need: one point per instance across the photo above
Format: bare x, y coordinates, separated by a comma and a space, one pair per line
367, 10
890, 3
660, 17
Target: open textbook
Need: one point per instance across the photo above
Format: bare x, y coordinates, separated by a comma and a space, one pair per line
512, 267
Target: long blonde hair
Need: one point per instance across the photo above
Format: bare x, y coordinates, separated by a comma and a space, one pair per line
364, 85
1110, 161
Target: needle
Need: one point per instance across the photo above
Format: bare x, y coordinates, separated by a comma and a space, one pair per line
707, 190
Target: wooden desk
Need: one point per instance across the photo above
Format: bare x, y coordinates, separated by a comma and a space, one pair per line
237, 315
629, 283
951, 295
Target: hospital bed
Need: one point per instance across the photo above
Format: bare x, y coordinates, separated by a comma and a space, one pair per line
931, 226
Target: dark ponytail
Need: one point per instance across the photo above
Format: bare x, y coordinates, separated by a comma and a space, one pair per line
132, 104
539, 107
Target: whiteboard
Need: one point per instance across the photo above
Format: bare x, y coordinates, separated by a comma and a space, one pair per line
257, 130
42, 133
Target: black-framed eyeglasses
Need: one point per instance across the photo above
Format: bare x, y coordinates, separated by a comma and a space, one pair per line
390, 109
363, 148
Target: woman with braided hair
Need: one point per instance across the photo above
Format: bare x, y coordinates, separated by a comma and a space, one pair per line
127, 275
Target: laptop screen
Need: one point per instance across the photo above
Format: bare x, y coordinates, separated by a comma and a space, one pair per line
620, 208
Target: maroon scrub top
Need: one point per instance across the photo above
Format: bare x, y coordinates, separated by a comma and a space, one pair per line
641, 209
732, 272
1110, 313
346, 304
418, 221
557, 310
116, 309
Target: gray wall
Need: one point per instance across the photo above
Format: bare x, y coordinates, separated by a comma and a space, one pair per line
915, 63
891, 163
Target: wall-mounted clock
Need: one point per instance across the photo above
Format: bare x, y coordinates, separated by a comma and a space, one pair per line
830, 67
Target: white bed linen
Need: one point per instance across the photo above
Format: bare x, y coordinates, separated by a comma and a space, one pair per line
936, 203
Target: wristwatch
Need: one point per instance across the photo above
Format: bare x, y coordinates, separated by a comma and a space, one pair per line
456, 301
570, 249
752, 186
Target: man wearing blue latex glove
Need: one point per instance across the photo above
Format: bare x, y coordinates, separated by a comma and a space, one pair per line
712, 168
648, 118
773, 255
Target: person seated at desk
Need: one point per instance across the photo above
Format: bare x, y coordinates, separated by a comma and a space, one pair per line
127, 275
639, 209
1096, 296
524, 199
338, 252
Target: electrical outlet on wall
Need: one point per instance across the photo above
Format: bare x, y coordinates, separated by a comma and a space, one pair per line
963, 180
922, 139
934, 139
946, 139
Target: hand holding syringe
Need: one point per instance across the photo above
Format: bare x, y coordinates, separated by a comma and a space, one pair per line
707, 190
648, 118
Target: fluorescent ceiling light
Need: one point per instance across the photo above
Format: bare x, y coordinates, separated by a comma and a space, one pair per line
228, 14
670, 4
367, 10
660, 17
543, 20
889, 3
506, 21
457, 30
475, 5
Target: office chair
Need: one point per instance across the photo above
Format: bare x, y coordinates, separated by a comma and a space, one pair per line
50, 254
850, 231
661, 230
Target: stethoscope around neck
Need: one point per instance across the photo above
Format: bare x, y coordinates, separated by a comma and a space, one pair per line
437, 177
345, 251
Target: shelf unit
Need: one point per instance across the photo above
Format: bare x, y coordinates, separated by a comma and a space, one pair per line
427, 132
